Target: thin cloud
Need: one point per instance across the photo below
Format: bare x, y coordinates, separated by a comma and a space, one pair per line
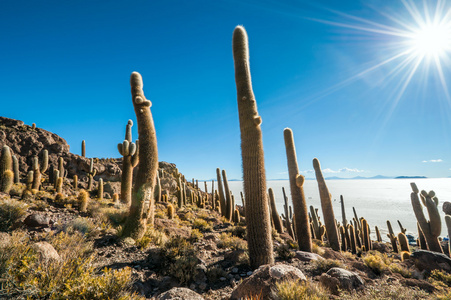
343, 170
433, 161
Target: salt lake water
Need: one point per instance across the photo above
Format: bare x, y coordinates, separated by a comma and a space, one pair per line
377, 200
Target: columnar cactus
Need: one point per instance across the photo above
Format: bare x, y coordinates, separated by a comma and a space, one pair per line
432, 228
76, 182
92, 172
326, 206
315, 222
287, 215
213, 201
140, 215
16, 169
61, 167
170, 211
366, 235
100, 189
59, 185
448, 226
403, 242
83, 148
344, 246
222, 201
352, 238
421, 239
30, 176
297, 194
228, 207
393, 239
158, 190
7, 181
83, 199
378, 234
6, 161
274, 214
36, 174
343, 211
130, 157
259, 238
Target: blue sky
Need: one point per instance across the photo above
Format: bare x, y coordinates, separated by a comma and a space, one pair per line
65, 65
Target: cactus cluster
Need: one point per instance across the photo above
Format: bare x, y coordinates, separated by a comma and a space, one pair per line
130, 158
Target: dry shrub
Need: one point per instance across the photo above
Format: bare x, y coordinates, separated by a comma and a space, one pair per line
25, 276
11, 212
226, 240
292, 290
180, 259
202, 225
324, 265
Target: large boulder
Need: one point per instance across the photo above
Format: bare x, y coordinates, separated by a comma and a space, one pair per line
37, 220
338, 278
428, 260
180, 293
307, 256
262, 283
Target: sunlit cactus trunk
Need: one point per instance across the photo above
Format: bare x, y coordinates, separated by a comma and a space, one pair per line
142, 206
303, 231
326, 206
254, 180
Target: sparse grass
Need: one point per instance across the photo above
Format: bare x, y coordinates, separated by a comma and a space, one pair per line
226, 240
378, 262
324, 265
195, 236
284, 250
215, 273
202, 225
317, 249
82, 225
395, 268
238, 231
387, 291
292, 290
11, 212
152, 236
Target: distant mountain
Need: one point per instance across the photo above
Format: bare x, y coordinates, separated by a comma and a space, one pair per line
359, 177
408, 177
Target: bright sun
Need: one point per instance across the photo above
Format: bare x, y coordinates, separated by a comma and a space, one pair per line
431, 40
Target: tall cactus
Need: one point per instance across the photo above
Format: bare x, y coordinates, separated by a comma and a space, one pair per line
432, 228
448, 226
326, 206
36, 174
6, 161
92, 172
303, 233
130, 157
259, 238
343, 211
140, 215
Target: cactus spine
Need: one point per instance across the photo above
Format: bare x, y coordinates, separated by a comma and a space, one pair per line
432, 228
326, 206
257, 213
297, 194
130, 154
139, 216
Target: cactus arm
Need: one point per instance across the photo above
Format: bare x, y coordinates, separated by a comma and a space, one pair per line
434, 216
418, 210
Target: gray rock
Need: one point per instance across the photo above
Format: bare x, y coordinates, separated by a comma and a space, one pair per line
180, 293
46, 251
428, 260
37, 220
307, 256
263, 281
338, 278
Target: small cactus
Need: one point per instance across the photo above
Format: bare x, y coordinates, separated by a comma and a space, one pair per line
16, 169
222, 200
92, 172
30, 180
228, 207
6, 161
83, 148
170, 209
366, 235
274, 214
100, 190
392, 237
59, 185
7, 181
352, 238
36, 174
116, 198
378, 234
75, 182
83, 199
403, 242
